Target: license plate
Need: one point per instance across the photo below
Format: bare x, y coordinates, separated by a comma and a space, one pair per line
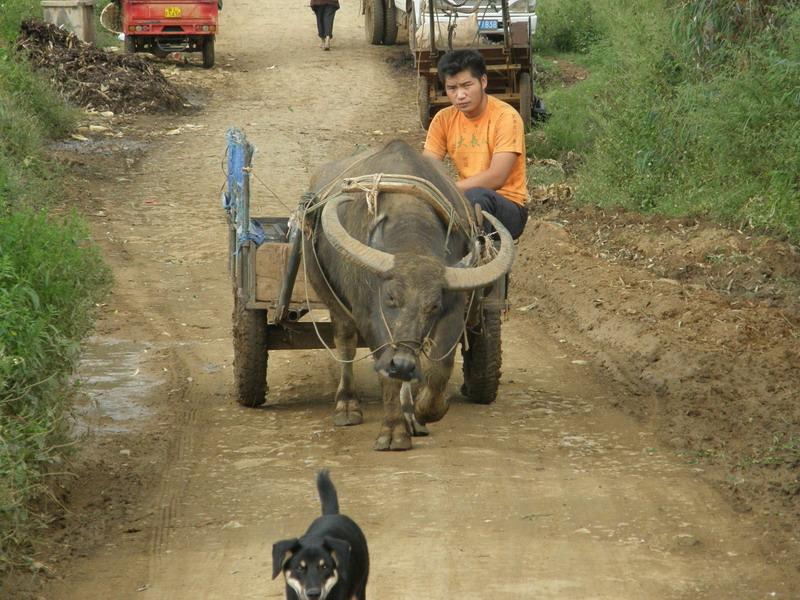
487, 24
172, 12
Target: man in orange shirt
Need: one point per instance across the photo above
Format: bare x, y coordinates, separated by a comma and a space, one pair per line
484, 137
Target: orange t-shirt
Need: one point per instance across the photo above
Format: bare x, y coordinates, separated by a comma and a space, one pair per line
471, 143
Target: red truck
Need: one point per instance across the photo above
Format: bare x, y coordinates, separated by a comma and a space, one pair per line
164, 26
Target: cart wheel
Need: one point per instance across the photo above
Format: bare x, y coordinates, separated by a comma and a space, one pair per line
208, 52
424, 101
390, 31
525, 99
249, 354
483, 360
129, 46
374, 21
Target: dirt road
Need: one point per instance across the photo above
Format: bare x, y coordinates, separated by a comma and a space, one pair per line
552, 492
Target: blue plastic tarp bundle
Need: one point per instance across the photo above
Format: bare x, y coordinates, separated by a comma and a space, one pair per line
234, 198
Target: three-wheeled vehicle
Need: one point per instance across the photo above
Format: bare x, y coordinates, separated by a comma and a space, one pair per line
276, 309
164, 26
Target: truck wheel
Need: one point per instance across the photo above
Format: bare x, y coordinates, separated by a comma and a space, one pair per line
483, 359
249, 354
424, 101
374, 21
390, 24
525, 99
129, 47
208, 52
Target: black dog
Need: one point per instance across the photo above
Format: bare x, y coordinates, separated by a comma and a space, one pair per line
330, 561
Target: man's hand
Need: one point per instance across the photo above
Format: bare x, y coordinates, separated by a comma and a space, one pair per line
495, 176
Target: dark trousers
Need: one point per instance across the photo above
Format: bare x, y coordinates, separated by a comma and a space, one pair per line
325, 16
509, 213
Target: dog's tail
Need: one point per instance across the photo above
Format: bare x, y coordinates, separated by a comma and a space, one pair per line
327, 493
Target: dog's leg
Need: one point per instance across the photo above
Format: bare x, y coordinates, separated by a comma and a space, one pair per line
432, 402
348, 408
394, 434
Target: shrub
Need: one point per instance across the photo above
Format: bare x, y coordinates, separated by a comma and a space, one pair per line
30, 115
567, 27
49, 281
671, 123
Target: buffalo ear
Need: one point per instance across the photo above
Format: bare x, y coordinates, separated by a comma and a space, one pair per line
281, 553
340, 550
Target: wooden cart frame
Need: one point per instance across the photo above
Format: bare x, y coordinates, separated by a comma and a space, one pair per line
275, 308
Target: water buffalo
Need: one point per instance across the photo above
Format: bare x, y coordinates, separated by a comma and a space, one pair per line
395, 273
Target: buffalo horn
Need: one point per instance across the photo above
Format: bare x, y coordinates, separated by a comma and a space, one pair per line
470, 279
370, 258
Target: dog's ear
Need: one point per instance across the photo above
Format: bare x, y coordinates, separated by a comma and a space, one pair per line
340, 550
281, 553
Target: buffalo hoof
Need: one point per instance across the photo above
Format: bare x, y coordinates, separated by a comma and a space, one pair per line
431, 413
398, 440
418, 429
347, 413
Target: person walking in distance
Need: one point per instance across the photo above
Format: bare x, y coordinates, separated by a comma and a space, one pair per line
325, 11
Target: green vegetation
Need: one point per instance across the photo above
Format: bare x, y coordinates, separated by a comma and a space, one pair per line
690, 107
782, 450
49, 281
50, 278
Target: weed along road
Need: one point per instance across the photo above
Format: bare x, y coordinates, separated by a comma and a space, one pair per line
550, 492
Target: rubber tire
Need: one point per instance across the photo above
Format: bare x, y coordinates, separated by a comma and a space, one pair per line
483, 360
374, 21
128, 45
424, 101
525, 99
208, 52
249, 354
390, 24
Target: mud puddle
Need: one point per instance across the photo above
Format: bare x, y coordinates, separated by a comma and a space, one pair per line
115, 383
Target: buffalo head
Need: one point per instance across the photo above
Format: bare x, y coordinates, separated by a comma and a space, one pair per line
416, 292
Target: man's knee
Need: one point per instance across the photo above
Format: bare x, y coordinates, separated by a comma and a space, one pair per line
482, 197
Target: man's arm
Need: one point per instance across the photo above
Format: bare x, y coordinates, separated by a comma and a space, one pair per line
495, 176
433, 155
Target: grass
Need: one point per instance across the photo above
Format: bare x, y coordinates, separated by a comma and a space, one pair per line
690, 108
50, 279
30, 116
782, 450
47, 294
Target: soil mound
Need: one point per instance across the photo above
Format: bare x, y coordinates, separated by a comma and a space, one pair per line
703, 325
94, 78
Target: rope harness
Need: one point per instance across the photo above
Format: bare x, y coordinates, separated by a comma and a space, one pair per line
371, 186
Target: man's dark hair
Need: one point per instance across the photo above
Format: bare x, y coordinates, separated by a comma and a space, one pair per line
455, 61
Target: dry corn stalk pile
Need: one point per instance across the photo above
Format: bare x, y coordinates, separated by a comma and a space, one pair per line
94, 78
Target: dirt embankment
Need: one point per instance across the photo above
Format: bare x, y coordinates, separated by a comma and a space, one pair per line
702, 324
